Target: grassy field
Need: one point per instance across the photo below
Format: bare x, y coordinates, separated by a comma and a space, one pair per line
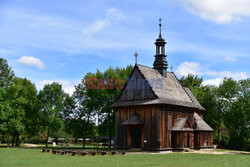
13, 157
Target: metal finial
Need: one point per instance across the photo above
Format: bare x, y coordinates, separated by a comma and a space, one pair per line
160, 27
136, 55
171, 67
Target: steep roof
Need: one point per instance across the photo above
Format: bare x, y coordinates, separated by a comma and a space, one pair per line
192, 97
171, 92
180, 125
200, 124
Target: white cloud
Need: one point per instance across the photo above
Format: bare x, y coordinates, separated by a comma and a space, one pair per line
68, 86
115, 14
232, 59
214, 82
195, 68
95, 27
227, 74
31, 61
112, 15
186, 68
220, 11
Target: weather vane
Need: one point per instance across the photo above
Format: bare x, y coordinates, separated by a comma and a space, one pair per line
136, 55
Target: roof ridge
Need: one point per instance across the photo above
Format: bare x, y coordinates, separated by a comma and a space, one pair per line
188, 94
201, 125
184, 88
145, 66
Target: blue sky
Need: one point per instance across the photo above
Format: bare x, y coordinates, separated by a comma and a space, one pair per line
62, 40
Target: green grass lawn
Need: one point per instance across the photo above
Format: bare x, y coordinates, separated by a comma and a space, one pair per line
21, 157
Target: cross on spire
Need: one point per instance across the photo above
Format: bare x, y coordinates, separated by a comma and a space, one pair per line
171, 67
160, 27
136, 55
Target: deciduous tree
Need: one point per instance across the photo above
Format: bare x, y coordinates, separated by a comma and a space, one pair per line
51, 98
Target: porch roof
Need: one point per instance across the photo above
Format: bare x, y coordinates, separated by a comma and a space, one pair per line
200, 124
134, 119
180, 125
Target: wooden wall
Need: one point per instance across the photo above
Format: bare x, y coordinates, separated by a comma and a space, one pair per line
182, 139
169, 116
158, 122
149, 115
203, 139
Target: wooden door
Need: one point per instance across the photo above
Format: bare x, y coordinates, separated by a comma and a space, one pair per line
188, 141
136, 137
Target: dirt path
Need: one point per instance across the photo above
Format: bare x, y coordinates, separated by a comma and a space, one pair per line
30, 145
218, 152
205, 151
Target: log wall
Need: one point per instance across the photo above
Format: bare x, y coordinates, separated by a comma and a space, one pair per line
158, 122
149, 115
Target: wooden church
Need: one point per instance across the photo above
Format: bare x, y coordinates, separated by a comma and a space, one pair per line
155, 112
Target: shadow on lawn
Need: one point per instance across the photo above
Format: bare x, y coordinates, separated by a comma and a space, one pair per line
61, 148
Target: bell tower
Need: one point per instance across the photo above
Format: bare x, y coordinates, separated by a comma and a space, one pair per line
160, 63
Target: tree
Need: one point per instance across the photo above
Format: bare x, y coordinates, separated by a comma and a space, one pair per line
237, 117
192, 82
68, 114
6, 74
84, 115
31, 108
108, 86
22, 99
5, 112
6, 79
78, 122
226, 96
51, 98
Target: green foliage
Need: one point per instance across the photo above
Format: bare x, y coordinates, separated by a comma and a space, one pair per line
227, 109
81, 109
78, 118
191, 81
5, 111
102, 99
6, 74
18, 106
237, 118
51, 98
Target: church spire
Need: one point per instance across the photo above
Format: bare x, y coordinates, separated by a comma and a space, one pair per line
160, 63
160, 28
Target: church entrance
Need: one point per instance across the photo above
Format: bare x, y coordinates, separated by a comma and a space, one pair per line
188, 142
135, 131
136, 137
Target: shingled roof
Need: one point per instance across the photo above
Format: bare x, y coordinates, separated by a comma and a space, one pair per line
171, 93
194, 100
180, 125
200, 124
